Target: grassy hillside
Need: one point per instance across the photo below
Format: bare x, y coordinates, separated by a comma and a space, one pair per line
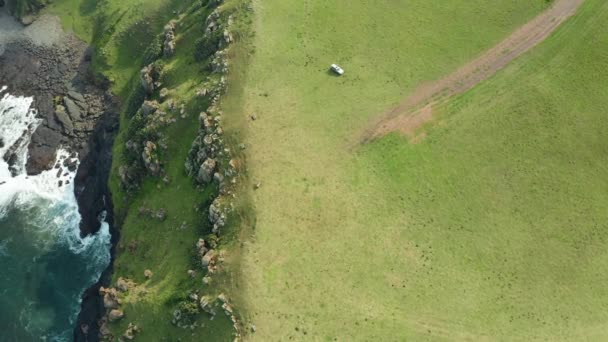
122, 33
490, 228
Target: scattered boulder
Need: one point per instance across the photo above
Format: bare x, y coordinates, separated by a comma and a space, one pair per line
222, 297
206, 121
146, 79
177, 316
132, 329
161, 214
115, 315
110, 300
216, 215
76, 97
219, 63
122, 285
227, 38
218, 178
227, 309
63, 118
71, 164
127, 178
212, 23
202, 92
149, 107
169, 44
164, 93
39, 159
27, 20
208, 259
150, 158
148, 274
205, 303
205, 173
73, 109
201, 247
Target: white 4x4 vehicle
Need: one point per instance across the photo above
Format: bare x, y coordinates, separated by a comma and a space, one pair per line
336, 68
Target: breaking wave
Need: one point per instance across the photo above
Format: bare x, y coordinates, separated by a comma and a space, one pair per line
46, 264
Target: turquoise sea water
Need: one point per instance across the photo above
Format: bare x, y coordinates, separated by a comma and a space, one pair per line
44, 264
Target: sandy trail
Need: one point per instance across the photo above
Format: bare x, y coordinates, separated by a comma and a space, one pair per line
417, 108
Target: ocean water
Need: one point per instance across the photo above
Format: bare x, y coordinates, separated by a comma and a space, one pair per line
44, 264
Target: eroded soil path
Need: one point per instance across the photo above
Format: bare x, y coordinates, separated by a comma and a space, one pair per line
417, 108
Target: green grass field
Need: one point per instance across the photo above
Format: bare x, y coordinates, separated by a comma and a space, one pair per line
491, 228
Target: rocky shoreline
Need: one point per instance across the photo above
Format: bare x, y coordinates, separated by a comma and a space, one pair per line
77, 114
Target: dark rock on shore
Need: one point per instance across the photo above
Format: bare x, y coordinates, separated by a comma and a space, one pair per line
73, 109
55, 72
77, 114
62, 117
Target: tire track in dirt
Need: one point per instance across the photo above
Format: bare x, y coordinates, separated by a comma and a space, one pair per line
417, 109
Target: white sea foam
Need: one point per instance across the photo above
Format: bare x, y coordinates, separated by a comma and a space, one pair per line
57, 220
17, 124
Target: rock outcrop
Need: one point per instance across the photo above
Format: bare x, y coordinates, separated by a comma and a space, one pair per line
147, 78
115, 315
150, 158
149, 107
206, 170
62, 117
169, 43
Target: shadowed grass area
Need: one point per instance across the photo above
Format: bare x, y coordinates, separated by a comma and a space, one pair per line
167, 248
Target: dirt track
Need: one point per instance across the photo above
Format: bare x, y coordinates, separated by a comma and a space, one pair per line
417, 108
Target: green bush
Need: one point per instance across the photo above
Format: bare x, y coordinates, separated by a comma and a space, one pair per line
135, 101
188, 308
207, 45
154, 51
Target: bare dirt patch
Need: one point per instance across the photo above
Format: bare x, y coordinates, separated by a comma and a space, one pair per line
417, 108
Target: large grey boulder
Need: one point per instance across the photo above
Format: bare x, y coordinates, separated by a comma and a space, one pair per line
110, 301
169, 44
150, 158
64, 119
208, 258
205, 173
115, 315
73, 109
149, 107
146, 79
77, 97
